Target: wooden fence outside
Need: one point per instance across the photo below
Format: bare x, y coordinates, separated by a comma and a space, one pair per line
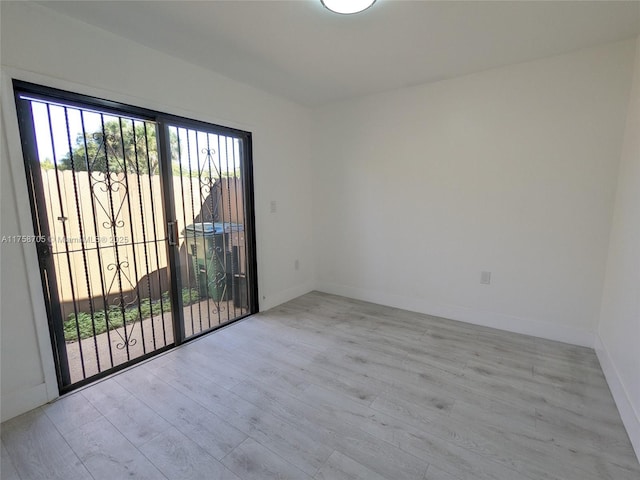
75, 199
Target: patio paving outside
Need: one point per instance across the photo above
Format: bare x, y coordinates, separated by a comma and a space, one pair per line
205, 315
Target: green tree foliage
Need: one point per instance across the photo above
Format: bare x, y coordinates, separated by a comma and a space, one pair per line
120, 146
47, 164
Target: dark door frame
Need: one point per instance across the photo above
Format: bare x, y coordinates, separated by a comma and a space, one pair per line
24, 92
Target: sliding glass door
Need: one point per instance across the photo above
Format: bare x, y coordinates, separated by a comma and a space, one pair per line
143, 223
210, 222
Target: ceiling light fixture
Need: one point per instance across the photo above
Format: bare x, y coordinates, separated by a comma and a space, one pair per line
347, 7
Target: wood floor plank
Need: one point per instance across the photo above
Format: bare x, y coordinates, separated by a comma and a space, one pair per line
322, 374
70, 412
106, 395
7, 470
303, 373
225, 375
290, 443
179, 458
212, 432
417, 441
328, 387
602, 437
38, 450
252, 461
329, 428
136, 421
107, 454
341, 467
434, 473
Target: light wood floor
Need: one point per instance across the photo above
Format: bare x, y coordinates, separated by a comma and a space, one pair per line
330, 388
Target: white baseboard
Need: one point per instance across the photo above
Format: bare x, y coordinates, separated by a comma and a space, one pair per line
273, 300
17, 403
630, 418
526, 326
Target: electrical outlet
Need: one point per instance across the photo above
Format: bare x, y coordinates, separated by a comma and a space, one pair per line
274, 207
485, 278
296, 264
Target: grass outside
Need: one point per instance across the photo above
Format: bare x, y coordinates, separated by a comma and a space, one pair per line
115, 317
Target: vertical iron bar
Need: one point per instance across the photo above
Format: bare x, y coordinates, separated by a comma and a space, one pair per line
184, 218
193, 210
66, 247
155, 237
236, 142
204, 250
224, 228
230, 216
215, 257
82, 240
144, 234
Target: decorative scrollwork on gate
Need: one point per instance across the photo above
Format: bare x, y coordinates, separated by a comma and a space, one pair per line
107, 175
209, 177
123, 301
206, 173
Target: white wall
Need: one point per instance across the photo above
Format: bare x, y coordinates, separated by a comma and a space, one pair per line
511, 170
22, 345
41, 46
618, 346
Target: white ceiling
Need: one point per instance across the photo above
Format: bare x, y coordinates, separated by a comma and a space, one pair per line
299, 50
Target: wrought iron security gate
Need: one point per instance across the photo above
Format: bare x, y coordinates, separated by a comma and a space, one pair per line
143, 223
